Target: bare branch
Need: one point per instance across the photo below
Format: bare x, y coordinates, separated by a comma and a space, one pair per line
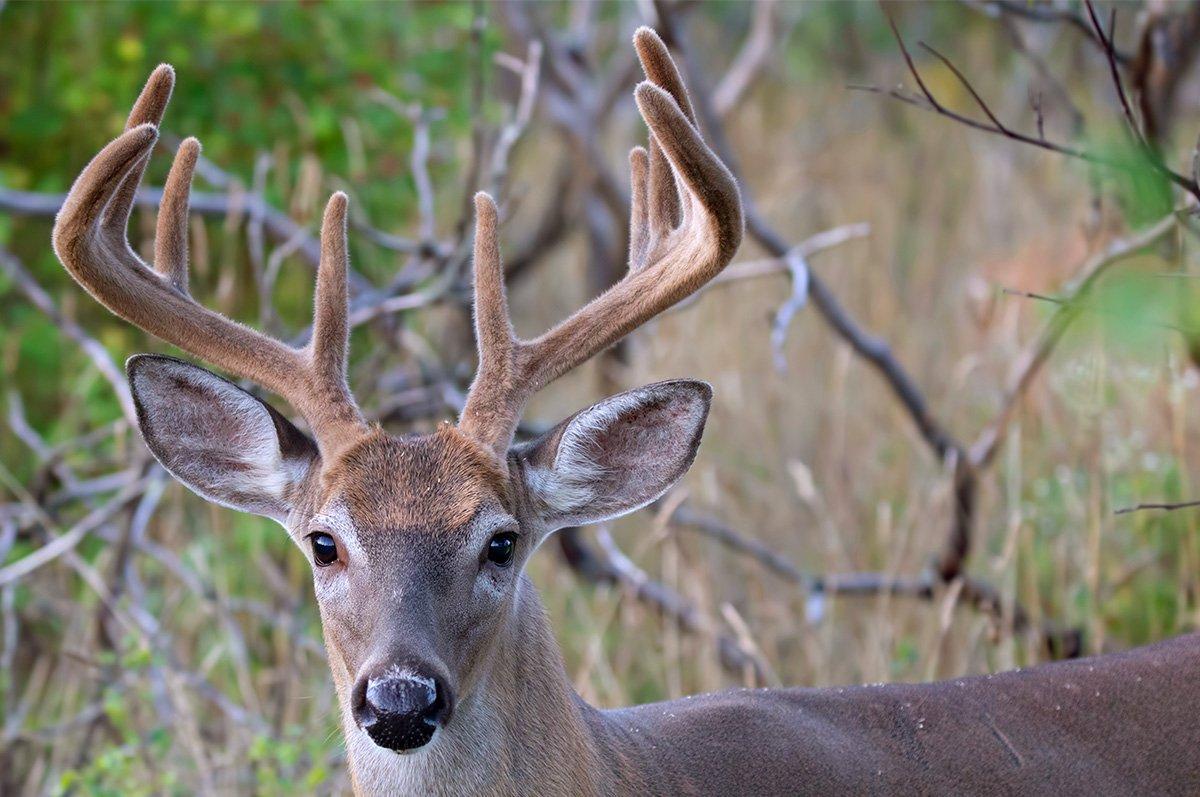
981, 596
751, 58
419, 159
994, 126
63, 542
930, 102
1048, 13
1168, 507
530, 71
91, 347
814, 244
1031, 360
983, 106
611, 566
1106, 44
278, 226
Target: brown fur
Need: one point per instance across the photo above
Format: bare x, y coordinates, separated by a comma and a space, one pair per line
438, 481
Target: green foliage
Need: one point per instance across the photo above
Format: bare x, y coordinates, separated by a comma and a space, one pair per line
250, 75
1141, 189
287, 79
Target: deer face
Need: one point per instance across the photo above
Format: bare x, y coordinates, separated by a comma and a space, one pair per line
417, 543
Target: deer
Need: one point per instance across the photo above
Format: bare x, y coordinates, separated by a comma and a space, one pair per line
448, 677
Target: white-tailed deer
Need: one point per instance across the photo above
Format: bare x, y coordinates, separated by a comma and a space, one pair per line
448, 676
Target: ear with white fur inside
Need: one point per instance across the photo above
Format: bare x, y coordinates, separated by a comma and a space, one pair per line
220, 441
618, 455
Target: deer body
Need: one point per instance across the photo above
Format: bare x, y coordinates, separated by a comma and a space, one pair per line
1120, 724
1117, 724
447, 674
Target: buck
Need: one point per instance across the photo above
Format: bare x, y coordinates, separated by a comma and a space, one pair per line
448, 676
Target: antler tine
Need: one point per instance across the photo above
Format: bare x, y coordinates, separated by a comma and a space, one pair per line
171, 231
668, 205
485, 413
330, 344
686, 223
90, 241
640, 233
149, 108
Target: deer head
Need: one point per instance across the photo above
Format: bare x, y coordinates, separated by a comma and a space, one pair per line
417, 542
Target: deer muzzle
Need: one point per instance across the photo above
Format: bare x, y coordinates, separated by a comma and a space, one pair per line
401, 709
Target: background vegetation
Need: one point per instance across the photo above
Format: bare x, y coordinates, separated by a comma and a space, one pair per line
163, 645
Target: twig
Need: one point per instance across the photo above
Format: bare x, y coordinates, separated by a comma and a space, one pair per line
63, 542
419, 158
673, 605
751, 58
530, 71
1052, 13
91, 347
255, 243
871, 348
797, 267
983, 106
278, 226
1061, 642
608, 565
1135, 129
1163, 506
1061, 94
928, 101
1031, 295
686, 517
1028, 365
1144, 147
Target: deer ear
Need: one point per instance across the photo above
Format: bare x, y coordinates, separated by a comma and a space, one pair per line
618, 455
220, 441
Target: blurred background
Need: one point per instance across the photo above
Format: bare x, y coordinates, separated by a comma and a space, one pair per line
959, 342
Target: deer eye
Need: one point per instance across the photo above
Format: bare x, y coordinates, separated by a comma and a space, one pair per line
501, 547
324, 548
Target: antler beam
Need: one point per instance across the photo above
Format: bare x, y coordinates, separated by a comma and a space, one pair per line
90, 240
686, 225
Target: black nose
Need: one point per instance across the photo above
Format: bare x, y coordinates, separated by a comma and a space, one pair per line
400, 712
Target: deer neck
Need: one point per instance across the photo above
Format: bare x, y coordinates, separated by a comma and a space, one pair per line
520, 727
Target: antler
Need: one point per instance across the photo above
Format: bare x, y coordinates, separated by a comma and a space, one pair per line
686, 223
90, 240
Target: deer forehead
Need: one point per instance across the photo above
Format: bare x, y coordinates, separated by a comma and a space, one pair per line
435, 483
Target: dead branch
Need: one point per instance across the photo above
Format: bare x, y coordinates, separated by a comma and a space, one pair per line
606, 564
529, 71
871, 348
1048, 12
1168, 507
751, 58
99, 356
278, 226
420, 119
979, 595
1146, 155
1029, 363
